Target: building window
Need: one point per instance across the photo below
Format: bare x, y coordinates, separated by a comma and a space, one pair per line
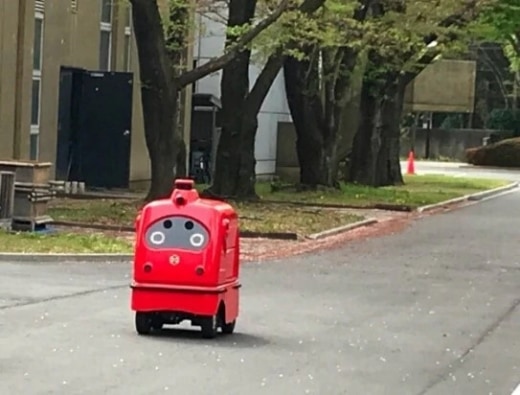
34, 146
106, 11
37, 49
36, 83
105, 41
35, 108
104, 50
128, 39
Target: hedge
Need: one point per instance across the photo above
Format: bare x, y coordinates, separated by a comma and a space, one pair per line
505, 153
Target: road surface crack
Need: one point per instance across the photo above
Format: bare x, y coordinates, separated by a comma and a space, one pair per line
61, 297
460, 360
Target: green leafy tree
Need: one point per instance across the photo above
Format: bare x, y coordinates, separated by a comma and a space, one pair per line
403, 37
161, 39
235, 162
498, 25
500, 22
386, 43
319, 83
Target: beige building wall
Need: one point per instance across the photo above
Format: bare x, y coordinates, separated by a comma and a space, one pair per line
15, 77
58, 38
139, 160
71, 37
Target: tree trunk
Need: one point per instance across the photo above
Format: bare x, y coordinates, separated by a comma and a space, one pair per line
180, 167
375, 152
350, 117
339, 65
235, 174
235, 162
235, 165
317, 101
305, 105
316, 116
234, 171
159, 97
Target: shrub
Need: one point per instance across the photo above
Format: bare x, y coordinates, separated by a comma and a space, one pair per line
504, 119
505, 153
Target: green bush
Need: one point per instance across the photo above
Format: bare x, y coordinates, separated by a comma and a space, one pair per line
504, 119
505, 153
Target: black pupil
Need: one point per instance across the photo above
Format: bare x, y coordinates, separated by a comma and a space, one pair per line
167, 224
188, 225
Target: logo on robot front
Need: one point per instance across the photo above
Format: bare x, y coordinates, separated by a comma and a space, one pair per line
175, 260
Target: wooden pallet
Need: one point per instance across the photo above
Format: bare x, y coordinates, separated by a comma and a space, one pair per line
5, 224
31, 224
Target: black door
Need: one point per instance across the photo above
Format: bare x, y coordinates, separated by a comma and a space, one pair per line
96, 148
70, 92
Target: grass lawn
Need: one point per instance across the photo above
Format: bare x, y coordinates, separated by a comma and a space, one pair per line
63, 242
419, 190
253, 217
268, 217
256, 217
283, 218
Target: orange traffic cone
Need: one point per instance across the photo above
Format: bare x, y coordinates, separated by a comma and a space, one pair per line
411, 165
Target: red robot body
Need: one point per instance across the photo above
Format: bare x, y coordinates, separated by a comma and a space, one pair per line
186, 263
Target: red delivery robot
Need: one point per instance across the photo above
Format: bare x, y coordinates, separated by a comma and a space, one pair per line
186, 263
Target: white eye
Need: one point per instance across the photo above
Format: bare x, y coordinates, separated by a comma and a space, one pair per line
196, 240
157, 238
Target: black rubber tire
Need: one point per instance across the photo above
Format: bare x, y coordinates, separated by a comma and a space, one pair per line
144, 323
157, 323
228, 329
209, 327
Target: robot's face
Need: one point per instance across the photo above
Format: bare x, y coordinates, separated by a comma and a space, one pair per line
177, 232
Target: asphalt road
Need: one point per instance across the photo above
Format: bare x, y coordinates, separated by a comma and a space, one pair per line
432, 310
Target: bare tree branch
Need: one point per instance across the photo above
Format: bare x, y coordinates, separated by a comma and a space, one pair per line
219, 62
458, 19
274, 64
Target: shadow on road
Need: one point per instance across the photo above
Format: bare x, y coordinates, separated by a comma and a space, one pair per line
193, 336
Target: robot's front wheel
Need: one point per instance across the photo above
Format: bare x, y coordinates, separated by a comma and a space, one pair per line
145, 323
209, 327
229, 328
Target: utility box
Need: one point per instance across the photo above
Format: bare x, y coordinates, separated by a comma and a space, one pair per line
30, 206
32, 192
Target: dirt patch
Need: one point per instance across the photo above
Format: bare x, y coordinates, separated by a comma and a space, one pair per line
259, 249
390, 223
254, 217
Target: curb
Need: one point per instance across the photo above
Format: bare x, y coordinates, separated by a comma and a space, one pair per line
98, 196
246, 234
485, 194
82, 225
54, 258
472, 197
376, 206
342, 229
127, 258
